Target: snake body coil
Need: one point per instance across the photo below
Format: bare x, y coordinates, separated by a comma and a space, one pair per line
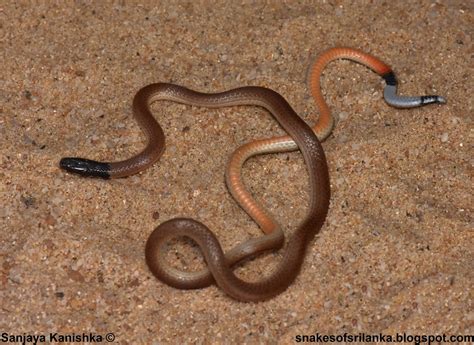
300, 136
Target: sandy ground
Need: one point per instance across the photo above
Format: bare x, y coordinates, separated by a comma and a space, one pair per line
396, 251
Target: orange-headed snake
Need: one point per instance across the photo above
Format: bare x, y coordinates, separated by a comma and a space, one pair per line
300, 136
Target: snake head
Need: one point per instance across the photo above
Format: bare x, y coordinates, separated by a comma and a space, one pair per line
85, 167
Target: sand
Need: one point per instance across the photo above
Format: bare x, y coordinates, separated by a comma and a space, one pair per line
396, 252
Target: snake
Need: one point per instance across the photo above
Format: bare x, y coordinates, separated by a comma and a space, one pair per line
220, 265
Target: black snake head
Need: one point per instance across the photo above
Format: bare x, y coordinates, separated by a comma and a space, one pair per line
85, 167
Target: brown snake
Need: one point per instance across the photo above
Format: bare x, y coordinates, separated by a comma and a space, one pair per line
300, 136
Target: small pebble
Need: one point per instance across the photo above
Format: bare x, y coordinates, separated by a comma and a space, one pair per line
343, 115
